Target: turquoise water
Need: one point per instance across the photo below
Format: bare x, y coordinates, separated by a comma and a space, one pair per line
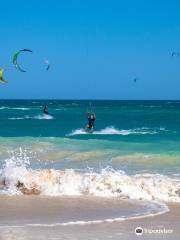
20, 118
134, 136
133, 153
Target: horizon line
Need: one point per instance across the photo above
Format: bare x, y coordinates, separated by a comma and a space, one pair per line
84, 99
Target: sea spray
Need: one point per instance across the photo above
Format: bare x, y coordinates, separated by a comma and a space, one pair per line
111, 130
38, 117
18, 177
14, 168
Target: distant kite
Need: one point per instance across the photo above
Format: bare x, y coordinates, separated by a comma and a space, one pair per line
135, 80
175, 54
47, 64
2, 80
15, 57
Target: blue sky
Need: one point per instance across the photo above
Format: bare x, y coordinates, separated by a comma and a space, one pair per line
96, 48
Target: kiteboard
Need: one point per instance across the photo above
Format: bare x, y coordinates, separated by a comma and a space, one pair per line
89, 130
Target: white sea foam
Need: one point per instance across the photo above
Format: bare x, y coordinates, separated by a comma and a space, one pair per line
15, 108
79, 131
113, 131
19, 179
43, 116
1, 108
21, 108
39, 117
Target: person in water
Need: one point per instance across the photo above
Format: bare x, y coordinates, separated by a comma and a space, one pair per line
91, 120
45, 109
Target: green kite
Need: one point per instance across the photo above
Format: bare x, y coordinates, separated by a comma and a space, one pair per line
2, 80
15, 57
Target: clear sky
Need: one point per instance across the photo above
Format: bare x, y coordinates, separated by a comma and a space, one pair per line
96, 48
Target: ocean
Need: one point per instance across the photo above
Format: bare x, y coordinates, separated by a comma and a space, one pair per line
131, 159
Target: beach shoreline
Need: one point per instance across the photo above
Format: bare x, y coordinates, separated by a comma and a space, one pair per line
15, 210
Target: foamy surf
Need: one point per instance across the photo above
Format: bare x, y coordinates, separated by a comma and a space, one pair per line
39, 117
114, 131
15, 108
16, 118
152, 190
17, 178
43, 116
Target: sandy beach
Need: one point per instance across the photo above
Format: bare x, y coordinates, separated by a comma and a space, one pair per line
32, 217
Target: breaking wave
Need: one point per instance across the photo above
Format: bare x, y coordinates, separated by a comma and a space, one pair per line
16, 177
114, 131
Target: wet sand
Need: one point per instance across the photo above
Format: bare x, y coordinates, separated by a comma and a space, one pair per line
18, 210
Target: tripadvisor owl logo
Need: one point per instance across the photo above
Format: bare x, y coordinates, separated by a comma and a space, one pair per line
138, 231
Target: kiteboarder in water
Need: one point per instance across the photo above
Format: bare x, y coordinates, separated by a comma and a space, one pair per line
45, 109
91, 119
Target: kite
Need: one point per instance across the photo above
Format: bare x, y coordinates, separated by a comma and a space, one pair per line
2, 80
135, 80
15, 58
47, 63
175, 54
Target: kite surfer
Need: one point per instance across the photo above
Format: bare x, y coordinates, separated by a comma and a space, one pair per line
45, 109
91, 119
